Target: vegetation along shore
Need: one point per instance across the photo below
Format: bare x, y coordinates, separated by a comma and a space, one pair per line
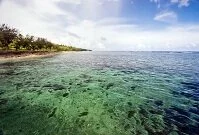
14, 44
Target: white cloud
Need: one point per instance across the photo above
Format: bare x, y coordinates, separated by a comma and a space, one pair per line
44, 18
134, 38
184, 3
174, 1
181, 3
156, 1
167, 17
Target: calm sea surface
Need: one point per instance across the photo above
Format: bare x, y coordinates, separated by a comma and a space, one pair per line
101, 93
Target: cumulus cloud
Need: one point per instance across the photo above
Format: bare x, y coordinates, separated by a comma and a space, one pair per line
115, 37
167, 17
181, 3
61, 25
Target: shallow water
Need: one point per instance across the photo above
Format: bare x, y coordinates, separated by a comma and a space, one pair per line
101, 93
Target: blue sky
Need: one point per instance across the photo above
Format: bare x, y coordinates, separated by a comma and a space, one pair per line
126, 25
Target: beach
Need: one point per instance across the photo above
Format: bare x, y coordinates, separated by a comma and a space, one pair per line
24, 55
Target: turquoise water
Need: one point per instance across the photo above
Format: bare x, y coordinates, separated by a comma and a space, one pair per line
101, 93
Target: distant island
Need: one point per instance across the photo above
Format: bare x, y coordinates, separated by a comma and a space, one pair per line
13, 43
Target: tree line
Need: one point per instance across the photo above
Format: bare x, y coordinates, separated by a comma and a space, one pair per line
11, 39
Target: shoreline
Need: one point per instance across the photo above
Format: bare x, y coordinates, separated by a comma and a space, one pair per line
7, 56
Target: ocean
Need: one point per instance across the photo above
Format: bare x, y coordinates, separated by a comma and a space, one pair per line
101, 93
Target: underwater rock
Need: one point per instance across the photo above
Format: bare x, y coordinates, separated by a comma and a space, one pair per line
69, 88
1, 132
36, 85
115, 74
175, 93
129, 103
18, 85
79, 84
70, 83
97, 126
133, 87
126, 80
159, 103
154, 125
10, 109
63, 81
39, 92
126, 72
84, 76
105, 104
99, 80
156, 111
55, 86
23, 107
127, 126
83, 114
131, 113
8, 73
110, 111
47, 85
3, 101
87, 80
58, 87
1, 92
109, 85
87, 89
65, 94
52, 113
143, 112
80, 122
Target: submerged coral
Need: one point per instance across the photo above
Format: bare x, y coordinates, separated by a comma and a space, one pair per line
37, 98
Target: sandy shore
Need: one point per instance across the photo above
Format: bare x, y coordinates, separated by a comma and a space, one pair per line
25, 55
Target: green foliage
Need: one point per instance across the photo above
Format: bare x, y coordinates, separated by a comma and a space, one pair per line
11, 39
1, 45
28, 42
18, 42
1, 38
7, 35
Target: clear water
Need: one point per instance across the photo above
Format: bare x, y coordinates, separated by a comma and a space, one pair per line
101, 93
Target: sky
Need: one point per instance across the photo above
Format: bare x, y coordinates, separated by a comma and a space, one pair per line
108, 25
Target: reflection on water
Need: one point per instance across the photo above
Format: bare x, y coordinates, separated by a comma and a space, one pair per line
101, 93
